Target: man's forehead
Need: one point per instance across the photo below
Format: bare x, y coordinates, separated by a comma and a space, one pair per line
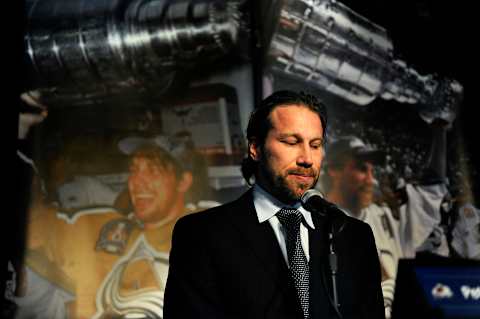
282, 109
144, 159
358, 162
288, 105
362, 163
288, 115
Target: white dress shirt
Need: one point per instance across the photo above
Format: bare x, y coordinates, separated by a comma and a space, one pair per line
267, 206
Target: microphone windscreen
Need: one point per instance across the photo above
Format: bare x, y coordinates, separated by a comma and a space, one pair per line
309, 194
313, 200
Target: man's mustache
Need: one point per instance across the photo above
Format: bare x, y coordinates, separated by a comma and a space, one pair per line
366, 189
309, 172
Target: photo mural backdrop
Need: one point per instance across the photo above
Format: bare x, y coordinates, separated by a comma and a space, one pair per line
134, 114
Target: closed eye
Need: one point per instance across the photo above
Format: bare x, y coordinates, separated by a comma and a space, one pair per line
290, 140
316, 144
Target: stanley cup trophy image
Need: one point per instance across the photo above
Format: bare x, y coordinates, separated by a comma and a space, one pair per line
82, 51
325, 43
100, 48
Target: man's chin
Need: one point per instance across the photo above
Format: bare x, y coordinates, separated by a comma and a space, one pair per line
296, 192
366, 201
300, 188
142, 214
289, 190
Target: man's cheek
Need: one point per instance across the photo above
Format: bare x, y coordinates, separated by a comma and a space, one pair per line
157, 184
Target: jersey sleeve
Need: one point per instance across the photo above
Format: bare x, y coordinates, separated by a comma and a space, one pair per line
420, 219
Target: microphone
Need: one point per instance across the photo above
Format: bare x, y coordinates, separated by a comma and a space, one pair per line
314, 201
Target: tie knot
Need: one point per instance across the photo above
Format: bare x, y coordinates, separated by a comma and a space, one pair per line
290, 218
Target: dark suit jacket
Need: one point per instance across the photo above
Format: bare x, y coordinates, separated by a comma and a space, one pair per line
225, 264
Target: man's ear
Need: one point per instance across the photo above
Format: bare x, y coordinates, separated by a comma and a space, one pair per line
185, 182
254, 150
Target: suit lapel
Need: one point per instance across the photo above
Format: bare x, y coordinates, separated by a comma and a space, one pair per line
259, 237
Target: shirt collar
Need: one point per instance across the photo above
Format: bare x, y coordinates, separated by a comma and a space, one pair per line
266, 206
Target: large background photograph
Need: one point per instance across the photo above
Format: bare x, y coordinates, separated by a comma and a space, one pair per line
132, 114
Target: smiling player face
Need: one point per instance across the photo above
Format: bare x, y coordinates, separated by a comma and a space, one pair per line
153, 189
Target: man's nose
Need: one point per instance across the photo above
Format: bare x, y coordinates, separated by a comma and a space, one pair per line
370, 177
136, 179
305, 158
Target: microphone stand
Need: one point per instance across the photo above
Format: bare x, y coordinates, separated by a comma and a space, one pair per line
313, 201
332, 261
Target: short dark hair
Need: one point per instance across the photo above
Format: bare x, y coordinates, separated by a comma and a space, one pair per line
260, 124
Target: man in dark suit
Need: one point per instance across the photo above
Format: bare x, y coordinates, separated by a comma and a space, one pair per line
264, 255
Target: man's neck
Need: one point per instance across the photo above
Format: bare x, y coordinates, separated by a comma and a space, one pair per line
278, 197
158, 224
175, 212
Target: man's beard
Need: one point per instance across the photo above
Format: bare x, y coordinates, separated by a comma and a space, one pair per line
365, 197
358, 199
282, 188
